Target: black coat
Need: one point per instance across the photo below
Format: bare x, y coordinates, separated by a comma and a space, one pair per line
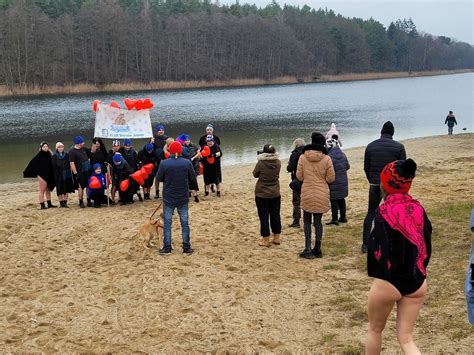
131, 157
211, 172
339, 189
41, 165
379, 153
62, 174
145, 158
293, 161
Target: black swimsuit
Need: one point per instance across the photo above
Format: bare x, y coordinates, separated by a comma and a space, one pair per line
406, 287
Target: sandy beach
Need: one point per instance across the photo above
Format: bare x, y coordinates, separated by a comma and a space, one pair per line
80, 281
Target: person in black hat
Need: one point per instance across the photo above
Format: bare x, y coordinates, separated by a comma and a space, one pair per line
378, 153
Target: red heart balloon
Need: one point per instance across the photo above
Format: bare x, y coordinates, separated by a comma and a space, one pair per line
124, 185
138, 105
147, 104
94, 183
138, 177
149, 168
206, 151
211, 160
114, 104
95, 105
129, 103
144, 173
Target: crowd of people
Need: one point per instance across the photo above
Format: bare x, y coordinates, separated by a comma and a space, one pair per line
396, 233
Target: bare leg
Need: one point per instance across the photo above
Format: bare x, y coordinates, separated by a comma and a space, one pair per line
48, 194
42, 187
382, 297
408, 309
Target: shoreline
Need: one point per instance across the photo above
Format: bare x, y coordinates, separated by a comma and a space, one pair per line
35, 91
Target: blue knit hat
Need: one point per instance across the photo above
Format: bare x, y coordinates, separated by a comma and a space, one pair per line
97, 166
78, 139
117, 158
184, 137
160, 127
127, 142
149, 147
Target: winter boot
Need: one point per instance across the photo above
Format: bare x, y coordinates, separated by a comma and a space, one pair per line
140, 198
81, 204
157, 194
196, 198
147, 196
264, 242
43, 206
65, 204
335, 222
295, 224
317, 250
50, 205
276, 239
206, 193
218, 194
89, 202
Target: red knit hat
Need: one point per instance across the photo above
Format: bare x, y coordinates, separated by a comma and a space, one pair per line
397, 176
176, 148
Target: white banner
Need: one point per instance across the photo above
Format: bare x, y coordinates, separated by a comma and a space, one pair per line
111, 122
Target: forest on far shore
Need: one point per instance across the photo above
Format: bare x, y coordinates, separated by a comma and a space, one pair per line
69, 42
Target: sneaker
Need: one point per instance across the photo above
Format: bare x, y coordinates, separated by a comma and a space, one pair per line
188, 250
342, 220
165, 250
336, 223
307, 254
364, 248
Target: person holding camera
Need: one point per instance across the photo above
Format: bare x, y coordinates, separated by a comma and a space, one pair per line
267, 194
295, 186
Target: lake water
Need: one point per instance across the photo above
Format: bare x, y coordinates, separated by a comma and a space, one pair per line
247, 118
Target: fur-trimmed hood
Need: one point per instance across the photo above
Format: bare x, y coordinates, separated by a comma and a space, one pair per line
268, 156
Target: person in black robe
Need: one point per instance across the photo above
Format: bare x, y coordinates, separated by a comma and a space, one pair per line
147, 156
131, 157
203, 143
41, 167
211, 166
98, 154
121, 171
62, 174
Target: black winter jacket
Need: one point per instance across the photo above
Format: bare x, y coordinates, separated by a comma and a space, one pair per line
293, 161
339, 189
379, 153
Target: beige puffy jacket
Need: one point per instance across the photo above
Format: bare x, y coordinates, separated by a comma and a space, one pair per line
316, 171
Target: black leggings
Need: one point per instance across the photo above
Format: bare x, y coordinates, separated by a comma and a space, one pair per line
308, 218
336, 206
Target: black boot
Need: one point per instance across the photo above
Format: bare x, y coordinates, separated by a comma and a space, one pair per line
306, 253
196, 198
218, 194
317, 249
212, 188
147, 196
89, 202
140, 197
295, 224
42, 206
157, 194
81, 204
65, 204
61, 204
50, 205
335, 222
206, 193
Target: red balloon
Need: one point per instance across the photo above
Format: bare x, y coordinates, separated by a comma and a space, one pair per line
210, 160
95, 105
114, 104
139, 105
147, 104
149, 168
201, 169
138, 177
206, 151
129, 103
144, 173
124, 185
167, 155
94, 183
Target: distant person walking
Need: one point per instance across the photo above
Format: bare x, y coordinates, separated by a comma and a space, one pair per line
41, 167
398, 256
339, 188
176, 173
315, 171
267, 195
378, 154
450, 121
295, 186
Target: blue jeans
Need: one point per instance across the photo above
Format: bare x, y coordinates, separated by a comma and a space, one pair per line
183, 218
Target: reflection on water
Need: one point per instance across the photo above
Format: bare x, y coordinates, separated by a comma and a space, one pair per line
247, 118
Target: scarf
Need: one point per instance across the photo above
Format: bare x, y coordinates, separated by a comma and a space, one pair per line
59, 155
406, 215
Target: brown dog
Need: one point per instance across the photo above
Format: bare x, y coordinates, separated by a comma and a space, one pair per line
152, 228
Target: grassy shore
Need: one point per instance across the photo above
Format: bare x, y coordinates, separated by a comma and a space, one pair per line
6, 91
80, 281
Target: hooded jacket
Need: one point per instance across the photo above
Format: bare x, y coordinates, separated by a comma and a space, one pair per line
267, 171
315, 171
339, 189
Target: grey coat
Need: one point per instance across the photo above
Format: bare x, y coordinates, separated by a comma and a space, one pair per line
339, 189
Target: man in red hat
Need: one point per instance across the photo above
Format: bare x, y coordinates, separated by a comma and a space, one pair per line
176, 173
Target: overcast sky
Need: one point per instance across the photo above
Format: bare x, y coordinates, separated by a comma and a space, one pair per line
448, 18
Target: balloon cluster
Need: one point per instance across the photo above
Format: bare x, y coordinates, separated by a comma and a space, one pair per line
145, 104
139, 176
